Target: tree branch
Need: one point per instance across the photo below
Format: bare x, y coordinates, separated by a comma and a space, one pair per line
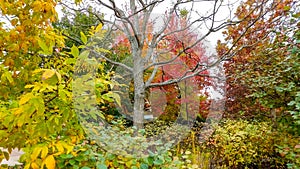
109, 60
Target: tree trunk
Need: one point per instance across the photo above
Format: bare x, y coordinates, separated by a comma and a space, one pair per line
274, 115
139, 91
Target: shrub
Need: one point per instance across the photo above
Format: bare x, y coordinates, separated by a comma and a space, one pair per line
240, 143
289, 146
90, 155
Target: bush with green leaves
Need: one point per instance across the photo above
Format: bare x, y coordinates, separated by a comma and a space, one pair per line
288, 147
89, 155
240, 143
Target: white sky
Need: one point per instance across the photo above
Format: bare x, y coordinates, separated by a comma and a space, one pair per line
201, 7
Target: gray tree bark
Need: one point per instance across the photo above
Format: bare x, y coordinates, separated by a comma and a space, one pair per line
139, 90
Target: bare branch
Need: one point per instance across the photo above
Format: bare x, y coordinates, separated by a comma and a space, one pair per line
205, 35
152, 4
72, 38
152, 76
142, 3
225, 56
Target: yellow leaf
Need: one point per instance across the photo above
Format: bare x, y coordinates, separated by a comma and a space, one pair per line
98, 28
27, 166
34, 165
35, 153
48, 74
74, 139
49, 162
21, 119
58, 76
68, 147
17, 111
44, 152
74, 153
60, 148
83, 38
29, 86
37, 71
77, 2
25, 98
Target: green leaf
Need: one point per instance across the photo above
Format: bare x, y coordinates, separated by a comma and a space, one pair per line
72, 162
70, 61
44, 47
83, 37
6, 155
101, 50
286, 8
101, 166
66, 156
84, 54
149, 160
291, 103
50, 48
111, 156
75, 51
144, 166
8, 77
85, 167
158, 162
3, 133
113, 95
107, 97
51, 77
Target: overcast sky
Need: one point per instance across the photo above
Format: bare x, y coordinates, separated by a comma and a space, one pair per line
201, 7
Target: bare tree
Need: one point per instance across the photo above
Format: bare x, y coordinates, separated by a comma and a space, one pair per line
133, 17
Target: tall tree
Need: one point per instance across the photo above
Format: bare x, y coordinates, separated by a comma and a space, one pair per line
251, 54
27, 27
172, 43
36, 107
132, 19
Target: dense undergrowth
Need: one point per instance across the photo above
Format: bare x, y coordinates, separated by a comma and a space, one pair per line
234, 144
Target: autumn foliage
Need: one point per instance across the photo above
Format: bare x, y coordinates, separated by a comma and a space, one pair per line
191, 58
249, 40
